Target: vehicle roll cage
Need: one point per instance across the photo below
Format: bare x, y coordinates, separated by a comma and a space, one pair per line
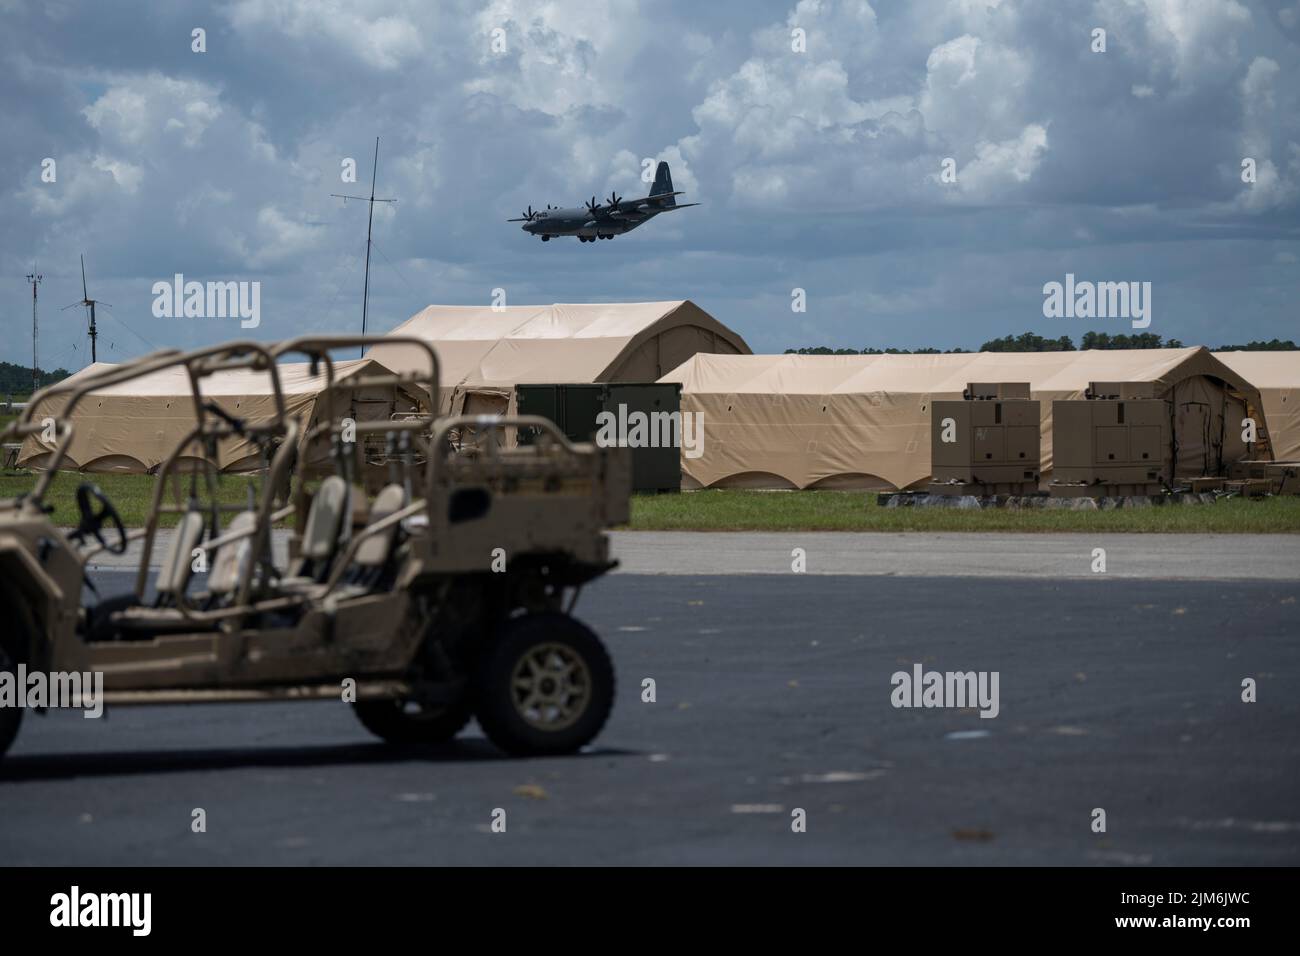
427, 433
279, 437
198, 364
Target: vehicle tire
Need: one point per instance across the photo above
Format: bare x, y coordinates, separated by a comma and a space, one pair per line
407, 722
10, 717
545, 687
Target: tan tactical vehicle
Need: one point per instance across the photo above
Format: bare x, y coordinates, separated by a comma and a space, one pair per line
446, 593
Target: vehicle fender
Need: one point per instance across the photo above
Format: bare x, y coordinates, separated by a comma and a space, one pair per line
27, 597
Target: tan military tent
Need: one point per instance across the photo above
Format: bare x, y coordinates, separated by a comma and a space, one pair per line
863, 421
132, 427
1277, 376
484, 352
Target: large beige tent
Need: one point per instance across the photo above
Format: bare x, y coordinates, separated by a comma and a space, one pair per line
484, 352
863, 421
132, 427
1277, 376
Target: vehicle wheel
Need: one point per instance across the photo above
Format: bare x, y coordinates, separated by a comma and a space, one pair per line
546, 687
408, 722
10, 717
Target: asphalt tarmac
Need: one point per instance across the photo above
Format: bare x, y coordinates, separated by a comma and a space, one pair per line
772, 695
919, 554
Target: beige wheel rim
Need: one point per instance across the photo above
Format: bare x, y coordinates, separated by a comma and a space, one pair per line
550, 686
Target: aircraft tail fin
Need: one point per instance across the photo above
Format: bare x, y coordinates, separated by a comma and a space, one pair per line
663, 184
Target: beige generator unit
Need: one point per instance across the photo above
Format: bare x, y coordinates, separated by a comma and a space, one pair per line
1114, 441
987, 443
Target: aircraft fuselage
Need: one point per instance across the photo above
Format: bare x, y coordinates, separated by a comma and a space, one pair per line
580, 222
604, 220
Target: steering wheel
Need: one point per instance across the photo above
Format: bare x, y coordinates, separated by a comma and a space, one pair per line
92, 521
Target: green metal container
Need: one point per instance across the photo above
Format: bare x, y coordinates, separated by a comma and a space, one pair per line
574, 408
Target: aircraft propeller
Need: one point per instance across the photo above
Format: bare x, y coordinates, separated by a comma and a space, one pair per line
614, 199
529, 216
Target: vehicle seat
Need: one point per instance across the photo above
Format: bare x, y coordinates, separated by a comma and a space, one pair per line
177, 564
232, 559
113, 616
321, 535
372, 562
374, 553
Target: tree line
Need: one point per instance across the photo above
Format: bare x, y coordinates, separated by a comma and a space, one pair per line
1030, 342
17, 379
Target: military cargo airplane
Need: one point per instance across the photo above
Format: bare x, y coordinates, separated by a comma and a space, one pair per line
614, 217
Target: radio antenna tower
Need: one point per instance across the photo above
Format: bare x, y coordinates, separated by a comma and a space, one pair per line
365, 294
34, 278
90, 303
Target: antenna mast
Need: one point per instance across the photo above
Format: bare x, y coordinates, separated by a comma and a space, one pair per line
85, 297
34, 278
90, 303
365, 294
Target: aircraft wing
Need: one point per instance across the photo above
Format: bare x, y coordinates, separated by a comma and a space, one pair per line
680, 205
641, 208
636, 202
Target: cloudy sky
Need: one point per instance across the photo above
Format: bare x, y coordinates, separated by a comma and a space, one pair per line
817, 169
